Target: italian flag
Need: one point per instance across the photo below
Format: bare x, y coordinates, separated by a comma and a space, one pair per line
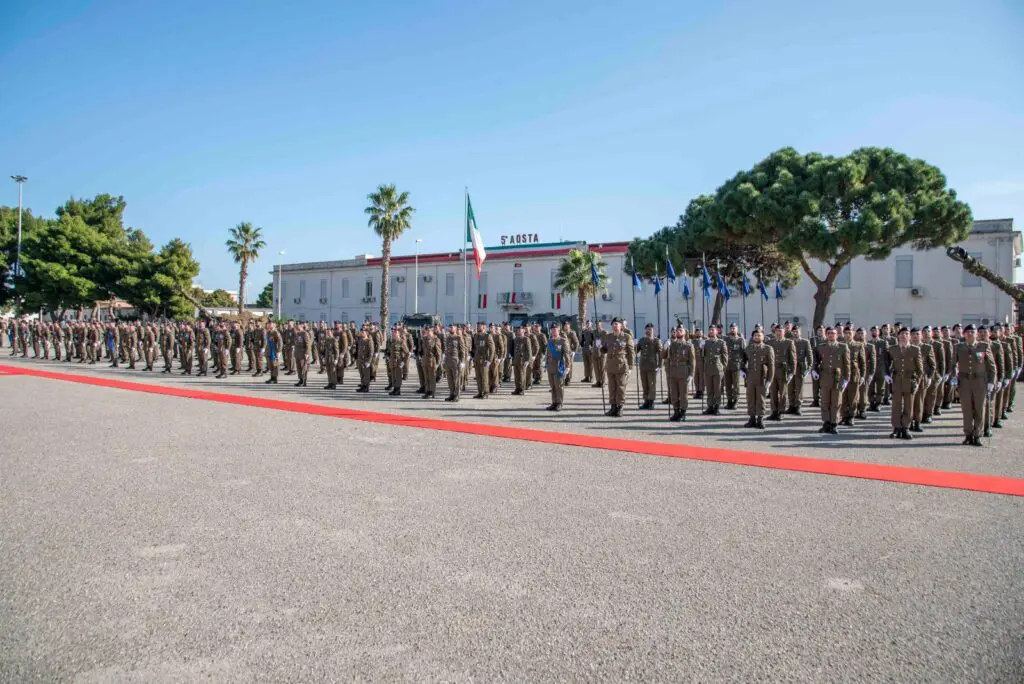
481, 301
473, 236
556, 300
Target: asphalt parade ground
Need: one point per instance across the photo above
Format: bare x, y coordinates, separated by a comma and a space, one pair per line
182, 529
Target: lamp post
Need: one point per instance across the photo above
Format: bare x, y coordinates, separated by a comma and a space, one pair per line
280, 285
20, 180
416, 277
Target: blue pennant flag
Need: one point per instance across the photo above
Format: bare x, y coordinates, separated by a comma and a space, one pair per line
686, 289
705, 282
763, 289
722, 287
746, 286
778, 291
637, 285
671, 275
593, 275
657, 286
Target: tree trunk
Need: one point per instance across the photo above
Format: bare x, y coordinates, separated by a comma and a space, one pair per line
243, 275
821, 297
716, 314
581, 306
385, 279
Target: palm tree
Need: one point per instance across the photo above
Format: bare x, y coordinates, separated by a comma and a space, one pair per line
575, 276
390, 216
244, 246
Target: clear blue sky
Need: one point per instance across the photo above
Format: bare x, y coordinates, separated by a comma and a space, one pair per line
583, 120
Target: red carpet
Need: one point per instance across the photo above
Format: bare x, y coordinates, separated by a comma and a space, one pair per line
990, 484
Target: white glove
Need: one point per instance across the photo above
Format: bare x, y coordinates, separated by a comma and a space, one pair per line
1006, 382
989, 387
927, 382
462, 366
657, 370
843, 384
864, 382
814, 374
743, 374
597, 344
888, 379
954, 382
486, 364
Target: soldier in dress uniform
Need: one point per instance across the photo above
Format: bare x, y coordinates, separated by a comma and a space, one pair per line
905, 369
736, 345
587, 351
329, 355
259, 343
804, 363
301, 344
817, 339
924, 383
649, 350
522, 358
858, 371
871, 358
716, 358
698, 369
832, 371
785, 367
494, 370
431, 354
364, 354
679, 361
455, 355
1000, 357
506, 362
973, 373
757, 368
538, 359
398, 356
203, 348
483, 355
933, 395
273, 352
619, 352
557, 358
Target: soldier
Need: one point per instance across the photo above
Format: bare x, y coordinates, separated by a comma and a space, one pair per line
617, 347
949, 346
817, 339
597, 356
649, 350
398, 355
974, 373
876, 384
259, 344
288, 332
557, 357
984, 345
431, 354
785, 367
329, 356
871, 357
494, 370
569, 335
111, 342
679, 362
187, 342
301, 343
538, 359
587, 349
736, 345
716, 359
933, 395
467, 340
698, 369
858, 371
522, 357
832, 371
203, 348
924, 382
273, 351
483, 355
506, 366
131, 344
237, 342
757, 368
345, 341
804, 363
904, 371
454, 361
1003, 360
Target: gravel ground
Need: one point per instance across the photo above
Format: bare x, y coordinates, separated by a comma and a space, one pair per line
149, 538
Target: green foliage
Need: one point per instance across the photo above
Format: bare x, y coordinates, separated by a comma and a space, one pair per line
244, 245
575, 277
265, 299
218, 298
390, 215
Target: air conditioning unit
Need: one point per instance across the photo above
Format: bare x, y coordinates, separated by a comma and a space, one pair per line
985, 321
323, 300
430, 279
1016, 262
369, 300
607, 297
917, 292
399, 279
296, 301
797, 320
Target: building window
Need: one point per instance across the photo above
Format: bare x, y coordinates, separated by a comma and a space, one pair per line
323, 318
396, 286
368, 290
482, 284
905, 320
449, 284
969, 279
843, 279
482, 318
395, 318
842, 318
344, 314
554, 277
344, 288
971, 319
904, 271
517, 280
284, 290
302, 290
421, 286
449, 319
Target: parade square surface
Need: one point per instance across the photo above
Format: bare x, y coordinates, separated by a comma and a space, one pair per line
161, 538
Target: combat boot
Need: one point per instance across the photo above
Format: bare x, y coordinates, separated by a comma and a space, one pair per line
832, 429
824, 429
759, 423
905, 435
675, 416
926, 420
861, 416
751, 422
847, 422
874, 407
915, 427
730, 406
996, 423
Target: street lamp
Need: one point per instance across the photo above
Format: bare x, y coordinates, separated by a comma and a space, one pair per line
416, 291
280, 285
20, 180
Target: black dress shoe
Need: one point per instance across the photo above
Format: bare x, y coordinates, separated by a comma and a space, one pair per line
675, 416
987, 433
996, 424
905, 435
968, 441
832, 429
926, 420
759, 424
750, 423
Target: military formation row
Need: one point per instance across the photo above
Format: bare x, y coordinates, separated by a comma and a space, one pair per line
917, 372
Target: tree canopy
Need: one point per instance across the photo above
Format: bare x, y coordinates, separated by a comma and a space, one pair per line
244, 246
390, 215
575, 276
266, 297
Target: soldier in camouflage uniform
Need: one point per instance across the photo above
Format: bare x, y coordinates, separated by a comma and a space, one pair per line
758, 367
736, 345
679, 363
649, 350
454, 361
619, 352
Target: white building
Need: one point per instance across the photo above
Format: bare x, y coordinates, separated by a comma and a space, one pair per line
911, 287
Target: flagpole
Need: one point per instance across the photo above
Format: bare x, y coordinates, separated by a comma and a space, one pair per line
633, 288
657, 305
760, 284
746, 287
600, 381
778, 308
465, 255
703, 316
